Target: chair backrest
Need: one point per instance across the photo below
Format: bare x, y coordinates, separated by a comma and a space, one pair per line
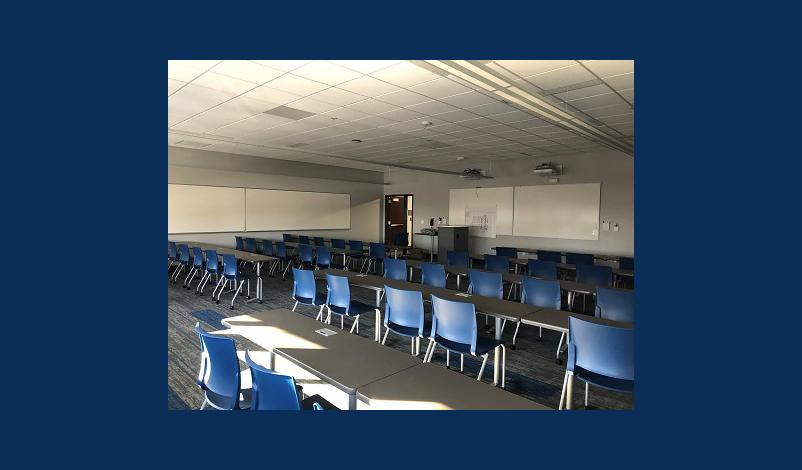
578, 258
602, 349
458, 258
507, 251
339, 294
172, 251
433, 274
618, 305
211, 260
600, 276
541, 293
486, 283
454, 321
239, 244
229, 265
395, 269
376, 250
338, 243
626, 263
303, 283
303, 239
272, 391
554, 256
281, 250
401, 239
542, 269
250, 245
497, 263
323, 256
267, 247
219, 374
404, 308
355, 245
319, 241
197, 256
286, 237
183, 253
305, 253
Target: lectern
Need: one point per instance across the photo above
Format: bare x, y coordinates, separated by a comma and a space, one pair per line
451, 238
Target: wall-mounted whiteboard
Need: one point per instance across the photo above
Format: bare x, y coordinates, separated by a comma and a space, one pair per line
558, 211
461, 200
203, 209
269, 210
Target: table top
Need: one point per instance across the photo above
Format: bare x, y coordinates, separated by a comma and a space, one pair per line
432, 387
535, 250
344, 360
221, 250
558, 319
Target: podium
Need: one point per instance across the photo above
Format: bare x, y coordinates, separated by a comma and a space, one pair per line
451, 238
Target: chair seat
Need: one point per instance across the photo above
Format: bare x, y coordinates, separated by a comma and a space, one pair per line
603, 381
306, 403
239, 277
484, 344
357, 308
410, 331
319, 299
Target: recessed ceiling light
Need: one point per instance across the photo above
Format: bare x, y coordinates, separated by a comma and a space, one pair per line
426, 123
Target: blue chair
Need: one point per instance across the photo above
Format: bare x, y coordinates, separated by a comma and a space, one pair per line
305, 255
599, 276
497, 264
338, 302
219, 374
285, 261
172, 255
403, 315
233, 275
433, 274
272, 391
319, 241
197, 266
211, 268
488, 284
375, 254
554, 256
250, 245
507, 251
322, 257
395, 269
267, 247
626, 263
357, 246
598, 354
183, 261
454, 329
239, 245
303, 240
338, 243
616, 305
401, 239
540, 293
304, 291
578, 258
458, 258
286, 237
542, 269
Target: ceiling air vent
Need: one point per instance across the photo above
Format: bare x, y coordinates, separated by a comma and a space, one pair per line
288, 113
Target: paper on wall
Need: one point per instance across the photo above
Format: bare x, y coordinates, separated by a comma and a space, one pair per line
482, 221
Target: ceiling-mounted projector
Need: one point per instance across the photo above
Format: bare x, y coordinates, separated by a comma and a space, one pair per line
548, 169
473, 174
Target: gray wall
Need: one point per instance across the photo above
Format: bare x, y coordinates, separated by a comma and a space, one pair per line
189, 166
614, 170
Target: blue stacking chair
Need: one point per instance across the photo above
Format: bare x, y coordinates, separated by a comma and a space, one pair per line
403, 315
616, 305
267, 247
458, 258
626, 263
356, 245
542, 293
303, 240
578, 258
239, 245
183, 261
338, 302
554, 256
599, 276
401, 239
542, 269
304, 291
319, 241
272, 391
497, 264
211, 268
395, 269
375, 254
598, 354
507, 251
305, 255
219, 374
250, 245
286, 237
322, 257
172, 255
285, 261
454, 329
233, 275
488, 284
197, 266
433, 274
338, 243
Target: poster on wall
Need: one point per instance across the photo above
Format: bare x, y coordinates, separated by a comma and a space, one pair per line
482, 221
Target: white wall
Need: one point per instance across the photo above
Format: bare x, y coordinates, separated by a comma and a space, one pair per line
614, 170
218, 169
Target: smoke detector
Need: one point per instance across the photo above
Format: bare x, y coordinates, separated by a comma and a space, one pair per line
548, 169
474, 174
426, 123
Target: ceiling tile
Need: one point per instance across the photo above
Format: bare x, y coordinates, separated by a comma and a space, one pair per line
193, 99
271, 95
584, 92
283, 65
455, 116
607, 68
432, 107
561, 77
250, 126
326, 72
597, 101
368, 86
346, 114
405, 74
297, 85
337, 96
402, 98
492, 108
402, 115
628, 94
469, 99
215, 81
376, 121
621, 82
525, 68
313, 106
366, 66
439, 88
373, 106
188, 70
173, 85
247, 70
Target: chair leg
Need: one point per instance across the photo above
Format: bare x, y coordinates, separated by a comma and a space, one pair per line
586, 395
203, 405
417, 346
448, 359
355, 325
515, 335
562, 394
503, 324
319, 316
462, 363
342, 321
328, 317
294, 306
482, 369
236, 293
559, 346
384, 340
429, 351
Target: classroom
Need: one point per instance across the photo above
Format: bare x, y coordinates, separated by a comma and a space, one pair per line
401, 235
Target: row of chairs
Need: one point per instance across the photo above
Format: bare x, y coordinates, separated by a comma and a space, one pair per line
570, 258
206, 264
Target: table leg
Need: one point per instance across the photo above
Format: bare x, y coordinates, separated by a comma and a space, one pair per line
496, 357
352, 402
272, 360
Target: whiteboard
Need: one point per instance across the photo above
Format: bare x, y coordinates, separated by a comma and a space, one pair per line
271, 209
462, 199
558, 211
203, 209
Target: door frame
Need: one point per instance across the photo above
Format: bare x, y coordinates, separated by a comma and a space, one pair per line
386, 229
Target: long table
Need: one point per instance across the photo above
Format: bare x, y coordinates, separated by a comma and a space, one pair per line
535, 250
